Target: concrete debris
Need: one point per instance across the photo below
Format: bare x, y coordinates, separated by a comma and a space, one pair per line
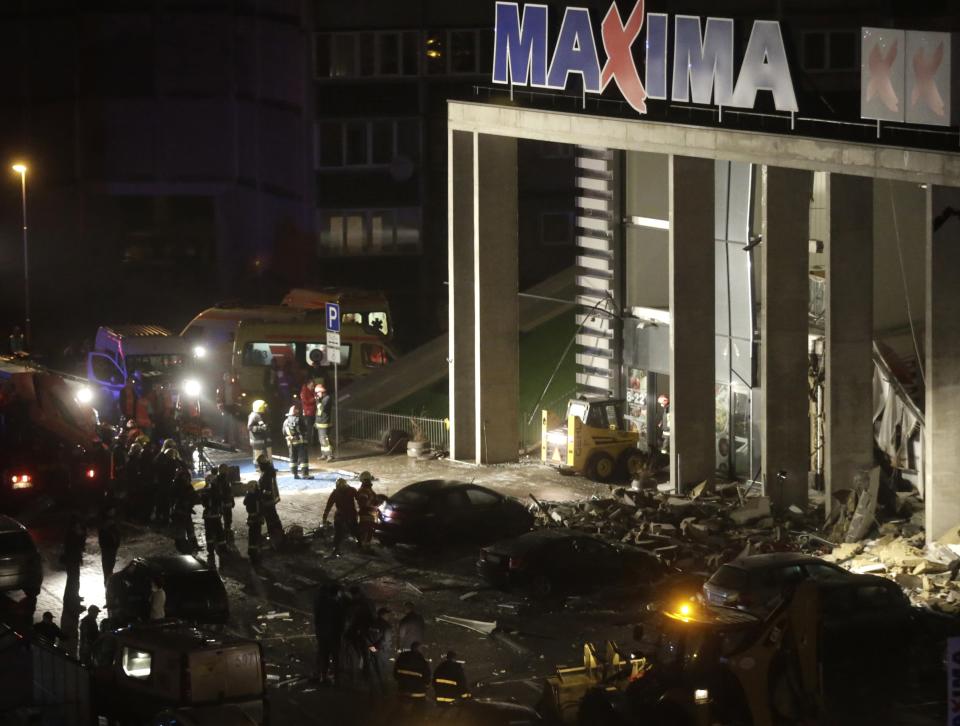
752, 510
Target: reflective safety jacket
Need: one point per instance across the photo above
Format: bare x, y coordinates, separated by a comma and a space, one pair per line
412, 673
450, 682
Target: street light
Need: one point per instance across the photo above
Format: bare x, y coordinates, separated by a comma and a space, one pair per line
21, 169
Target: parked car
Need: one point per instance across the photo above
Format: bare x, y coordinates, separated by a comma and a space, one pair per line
195, 592
755, 582
559, 561
20, 565
139, 671
438, 510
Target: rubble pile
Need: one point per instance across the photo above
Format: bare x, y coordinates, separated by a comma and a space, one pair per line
694, 533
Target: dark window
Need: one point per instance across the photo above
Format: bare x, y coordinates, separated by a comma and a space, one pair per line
16, 543
408, 139
356, 143
814, 51
408, 229
878, 597
330, 141
783, 575
322, 55
480, 498
382, 142
729, 578
408, 496
485, 57
367, 54
463, 51
389, 54
344, 56
825, 572
456, 499
843, 51
411, 53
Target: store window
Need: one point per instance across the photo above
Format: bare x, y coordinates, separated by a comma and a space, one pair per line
366, 54
136, 663
359, 232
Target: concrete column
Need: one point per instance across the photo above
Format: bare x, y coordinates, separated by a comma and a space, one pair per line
784, 295
460, 242
942, 367
692, 328
848, 436
496, 316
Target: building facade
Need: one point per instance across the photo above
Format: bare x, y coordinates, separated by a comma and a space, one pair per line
759, 252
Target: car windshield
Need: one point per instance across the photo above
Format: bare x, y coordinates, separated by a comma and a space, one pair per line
408, 496
16, 543
729, 578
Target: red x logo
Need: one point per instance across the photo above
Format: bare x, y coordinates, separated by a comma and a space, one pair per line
880, 84
924, 70
617, 43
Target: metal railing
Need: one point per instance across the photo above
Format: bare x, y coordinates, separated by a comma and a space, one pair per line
374, 427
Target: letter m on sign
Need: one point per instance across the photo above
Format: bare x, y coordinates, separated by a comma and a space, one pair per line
520, 48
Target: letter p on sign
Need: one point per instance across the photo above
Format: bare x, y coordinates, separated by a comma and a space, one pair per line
333, 317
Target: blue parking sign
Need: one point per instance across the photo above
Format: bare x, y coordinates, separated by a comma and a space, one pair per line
333, 317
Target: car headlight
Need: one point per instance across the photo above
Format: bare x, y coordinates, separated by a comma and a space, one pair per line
191, 387
701, 696
84, 395
199, 351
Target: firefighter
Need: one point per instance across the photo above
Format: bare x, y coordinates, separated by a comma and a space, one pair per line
184, 498
308, 404
108, 535
329, 622
324, 416
212, 520
89, 632
128, 401
74, 543
367, 502
296, 433
450, 681
259, 429
165, 466
132, 481
379, 650
224, 492
269, 498
412, 673
344, 497
254, 523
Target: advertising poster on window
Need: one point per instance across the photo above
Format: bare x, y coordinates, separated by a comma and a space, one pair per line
636, 414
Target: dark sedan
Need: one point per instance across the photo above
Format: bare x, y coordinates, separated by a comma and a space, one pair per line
20, 565
560, 561
195, 593
438, 510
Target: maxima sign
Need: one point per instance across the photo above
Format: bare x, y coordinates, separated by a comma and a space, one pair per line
703, 68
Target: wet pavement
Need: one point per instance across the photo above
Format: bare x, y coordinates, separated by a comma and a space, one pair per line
273, 602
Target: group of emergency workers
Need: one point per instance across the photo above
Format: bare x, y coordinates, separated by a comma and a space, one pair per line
355, 645
156, 411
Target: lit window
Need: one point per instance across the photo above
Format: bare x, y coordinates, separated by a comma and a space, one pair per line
378, 322
136, 663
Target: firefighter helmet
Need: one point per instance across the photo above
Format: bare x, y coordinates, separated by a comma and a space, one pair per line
168, 444
135, 449
259, 406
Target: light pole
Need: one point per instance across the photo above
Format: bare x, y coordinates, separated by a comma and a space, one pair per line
21, 169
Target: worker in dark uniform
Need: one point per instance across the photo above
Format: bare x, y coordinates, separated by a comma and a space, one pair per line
269, 497
212, 521
379, 651
73, 545
450, 681
412, 627
329, 622
367, 503
49, 630
254, 523
89, 632
108, 536
412, 673
344, 498
223, 491
296, 434
324, 418
184, 499
165, 466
